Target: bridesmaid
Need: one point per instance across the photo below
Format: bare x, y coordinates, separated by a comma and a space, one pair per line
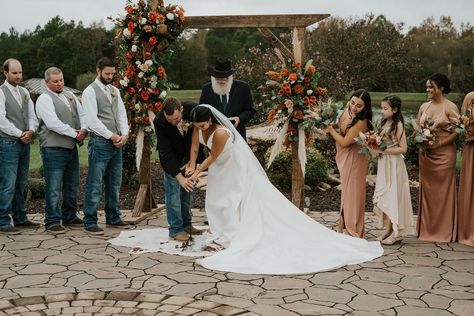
438, 199
466, 186
352, 165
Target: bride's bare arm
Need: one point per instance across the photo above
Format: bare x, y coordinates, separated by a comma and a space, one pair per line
191, 165
218, 142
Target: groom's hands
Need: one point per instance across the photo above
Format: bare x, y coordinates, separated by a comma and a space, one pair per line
186, 183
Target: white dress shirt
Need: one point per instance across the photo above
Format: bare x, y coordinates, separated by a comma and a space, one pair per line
47, 113
89, 102
5, 125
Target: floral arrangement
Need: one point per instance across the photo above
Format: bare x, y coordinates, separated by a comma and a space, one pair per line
372, 140
144, 34
423, 135
463, 124
296, 98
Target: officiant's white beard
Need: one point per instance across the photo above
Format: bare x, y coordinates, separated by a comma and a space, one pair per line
222, 89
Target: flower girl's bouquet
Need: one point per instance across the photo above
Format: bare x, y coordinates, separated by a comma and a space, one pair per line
372, 141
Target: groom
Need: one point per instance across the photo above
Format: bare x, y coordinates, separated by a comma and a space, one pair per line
173, 142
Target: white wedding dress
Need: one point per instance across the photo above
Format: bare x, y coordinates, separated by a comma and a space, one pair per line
263, 232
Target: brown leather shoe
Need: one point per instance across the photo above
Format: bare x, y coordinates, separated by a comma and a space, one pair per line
27, 224
182, 236
194, 231
56, 229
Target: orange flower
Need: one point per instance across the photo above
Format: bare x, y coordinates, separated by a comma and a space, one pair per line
293, 76
152, 16
286, 85
144, 95
152, 40
312, 99
130, 26
273, 75
281, 92
321, 91
180, 12
161, 72
297, 65
284, 72
161, 18
162, 28
311, 70
298, 89
271, 115
129, 9
287, 91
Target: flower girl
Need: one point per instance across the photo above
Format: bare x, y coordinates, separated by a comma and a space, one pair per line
392, 202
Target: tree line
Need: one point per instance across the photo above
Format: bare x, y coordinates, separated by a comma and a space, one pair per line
369, 52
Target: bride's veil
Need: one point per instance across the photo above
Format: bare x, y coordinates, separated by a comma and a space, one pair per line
237, 139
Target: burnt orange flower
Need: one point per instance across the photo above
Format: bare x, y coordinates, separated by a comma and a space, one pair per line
310, 70
271, 115
286, 85
313, 99
129, 9
145, 95
152, 16
161, 18
273, 75
130, 26
321, 91
297, 65
298, 89
293, 76
152, 40
161, 72
162, 28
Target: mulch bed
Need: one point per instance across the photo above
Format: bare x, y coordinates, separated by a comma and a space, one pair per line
319, 201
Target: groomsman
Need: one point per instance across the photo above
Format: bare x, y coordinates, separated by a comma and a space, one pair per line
61, 126
106, 119
17, 126
231, 97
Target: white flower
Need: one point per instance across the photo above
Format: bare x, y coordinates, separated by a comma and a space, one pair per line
124, 82
141, 74
143, 21
362, 136
126, 33
309, 92
138, 63
426, 132
170, 16
134, 48
144, 67
149, 62
163, 94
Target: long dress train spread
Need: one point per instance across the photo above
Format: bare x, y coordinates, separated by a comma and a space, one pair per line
353, 167
392, 192
263, 231
438, 198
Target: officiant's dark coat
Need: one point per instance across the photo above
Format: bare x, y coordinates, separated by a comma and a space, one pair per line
174, 148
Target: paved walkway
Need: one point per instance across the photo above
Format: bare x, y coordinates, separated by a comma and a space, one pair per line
78, 274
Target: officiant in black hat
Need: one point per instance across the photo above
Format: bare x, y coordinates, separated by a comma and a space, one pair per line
232, 97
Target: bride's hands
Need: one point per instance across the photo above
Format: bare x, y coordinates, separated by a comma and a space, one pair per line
189, 169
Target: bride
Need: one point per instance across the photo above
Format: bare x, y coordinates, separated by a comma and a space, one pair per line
262, 231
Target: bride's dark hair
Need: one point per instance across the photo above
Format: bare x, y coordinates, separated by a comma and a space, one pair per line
202, 114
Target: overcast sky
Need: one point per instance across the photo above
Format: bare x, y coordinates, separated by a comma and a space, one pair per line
27, 14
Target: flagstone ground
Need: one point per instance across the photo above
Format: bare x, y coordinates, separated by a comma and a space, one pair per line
79, 274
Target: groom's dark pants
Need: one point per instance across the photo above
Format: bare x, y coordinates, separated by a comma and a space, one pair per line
178, 205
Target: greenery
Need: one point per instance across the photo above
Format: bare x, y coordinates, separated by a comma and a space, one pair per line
279, 172
36, 187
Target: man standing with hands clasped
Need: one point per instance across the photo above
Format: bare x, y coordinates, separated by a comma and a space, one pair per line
62, 126
106, 119
17, 126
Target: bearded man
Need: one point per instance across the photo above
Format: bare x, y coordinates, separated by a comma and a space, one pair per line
106, 119
231, 97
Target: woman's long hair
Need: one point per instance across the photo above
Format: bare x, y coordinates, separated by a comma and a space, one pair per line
366, 113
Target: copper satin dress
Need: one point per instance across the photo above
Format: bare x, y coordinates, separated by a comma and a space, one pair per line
353, 167
466, 186
437, 212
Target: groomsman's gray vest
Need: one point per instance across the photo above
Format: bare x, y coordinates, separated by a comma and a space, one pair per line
15, 114
107, 112
49, 138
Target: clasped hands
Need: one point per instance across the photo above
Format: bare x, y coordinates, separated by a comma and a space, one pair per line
190, 178
26, 137
118, 141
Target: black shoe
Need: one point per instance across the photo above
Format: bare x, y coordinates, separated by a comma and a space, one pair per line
119, 224
77, 222
56, 229
95, 230
28, 224
9, 230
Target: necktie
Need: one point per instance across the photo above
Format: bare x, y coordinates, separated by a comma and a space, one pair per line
224, 102
18, 95
108, 92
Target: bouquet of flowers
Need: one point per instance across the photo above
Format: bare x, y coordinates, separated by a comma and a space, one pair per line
144, 33
375, 140
423, 135
463, 124
296, 96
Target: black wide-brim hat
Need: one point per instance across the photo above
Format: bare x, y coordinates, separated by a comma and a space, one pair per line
222, 69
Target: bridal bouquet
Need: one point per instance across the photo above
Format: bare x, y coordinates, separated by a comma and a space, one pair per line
423, 135
375, 140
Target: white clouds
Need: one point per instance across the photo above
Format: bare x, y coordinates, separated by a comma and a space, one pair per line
27, 14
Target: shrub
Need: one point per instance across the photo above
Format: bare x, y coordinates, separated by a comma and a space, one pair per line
83, 80
36, 188
279, 172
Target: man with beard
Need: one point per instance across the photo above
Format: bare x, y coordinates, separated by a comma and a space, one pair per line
106, 119
229, 96
62, 126
17, 126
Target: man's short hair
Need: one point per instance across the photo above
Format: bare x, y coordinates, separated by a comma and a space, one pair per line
170, 105
6, 64
105, 62
51, 71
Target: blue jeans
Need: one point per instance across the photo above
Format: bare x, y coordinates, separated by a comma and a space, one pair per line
61, 172
14, 165
178, 205
105, 166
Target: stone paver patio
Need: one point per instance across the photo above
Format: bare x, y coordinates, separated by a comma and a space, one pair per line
78, 274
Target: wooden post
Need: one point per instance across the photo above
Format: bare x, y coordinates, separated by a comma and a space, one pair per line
297, 176
144, 201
